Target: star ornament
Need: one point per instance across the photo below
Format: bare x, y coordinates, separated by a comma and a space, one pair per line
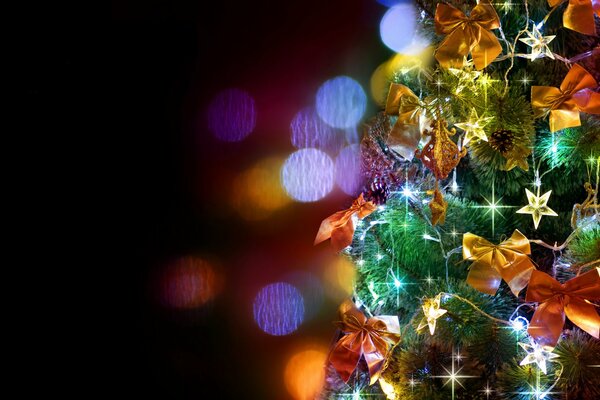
467, 75
537, 354
538, 44
431, 311
537, 207
474, 127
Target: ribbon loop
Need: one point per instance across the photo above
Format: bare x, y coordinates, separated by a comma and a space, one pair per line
339, 226
557, 300
369, 338
565, 103
467, 35
579, 15
508, 260
406, 133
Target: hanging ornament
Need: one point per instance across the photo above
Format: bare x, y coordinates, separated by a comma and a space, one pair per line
440, 155
565, 103
339, 227
378, 191
502, 141
538, 44
406, 132
466, 35
474, 127
369, 338
586, 209
579, 15
572, 298
438, 207
431, 312
537, 354
508, 260
537, 207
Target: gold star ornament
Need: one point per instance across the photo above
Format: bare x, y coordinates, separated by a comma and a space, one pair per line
474, 127
537, 207
431, 311
538, 44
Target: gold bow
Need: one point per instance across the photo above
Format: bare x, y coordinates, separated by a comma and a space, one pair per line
508, 260
571, 298
369, 338
565, 103
406, 133
467, 35
339, 226
579, 15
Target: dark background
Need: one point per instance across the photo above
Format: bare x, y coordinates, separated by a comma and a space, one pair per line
167, 61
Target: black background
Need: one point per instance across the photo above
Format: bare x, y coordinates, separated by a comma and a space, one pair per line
167, 60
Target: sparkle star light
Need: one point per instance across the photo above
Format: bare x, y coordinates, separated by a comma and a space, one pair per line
537, 206
538, 44
453, 376
537, 354
431, 311
487, 390
474, 127
493, 207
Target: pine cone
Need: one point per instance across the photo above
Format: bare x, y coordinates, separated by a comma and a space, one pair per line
502, 141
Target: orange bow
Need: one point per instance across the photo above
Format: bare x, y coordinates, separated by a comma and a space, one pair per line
565, 103
467, 35
507, 260
339, 226
369, 338
579, 15
571, 298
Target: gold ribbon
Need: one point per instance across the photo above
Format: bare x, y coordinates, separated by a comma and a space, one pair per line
467, 35
406, 132
339, 226
565, 103
508, 260
571, 298
367, 337
579, 15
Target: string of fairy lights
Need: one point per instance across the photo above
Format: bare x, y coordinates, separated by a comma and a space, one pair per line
535, 354
473, 128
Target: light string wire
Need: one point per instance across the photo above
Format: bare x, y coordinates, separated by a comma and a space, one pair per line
460, 298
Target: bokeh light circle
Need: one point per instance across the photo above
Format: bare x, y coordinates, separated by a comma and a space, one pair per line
232, 115
341, 102
309, 130
312, 291
189, 282
304, 374
278, 309
308, 175
397, 27
347, 170
257, 192
339, 276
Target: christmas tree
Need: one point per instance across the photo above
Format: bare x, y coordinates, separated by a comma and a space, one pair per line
476, 239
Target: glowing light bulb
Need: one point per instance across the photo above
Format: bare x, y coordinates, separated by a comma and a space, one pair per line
397, 283
454, 187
